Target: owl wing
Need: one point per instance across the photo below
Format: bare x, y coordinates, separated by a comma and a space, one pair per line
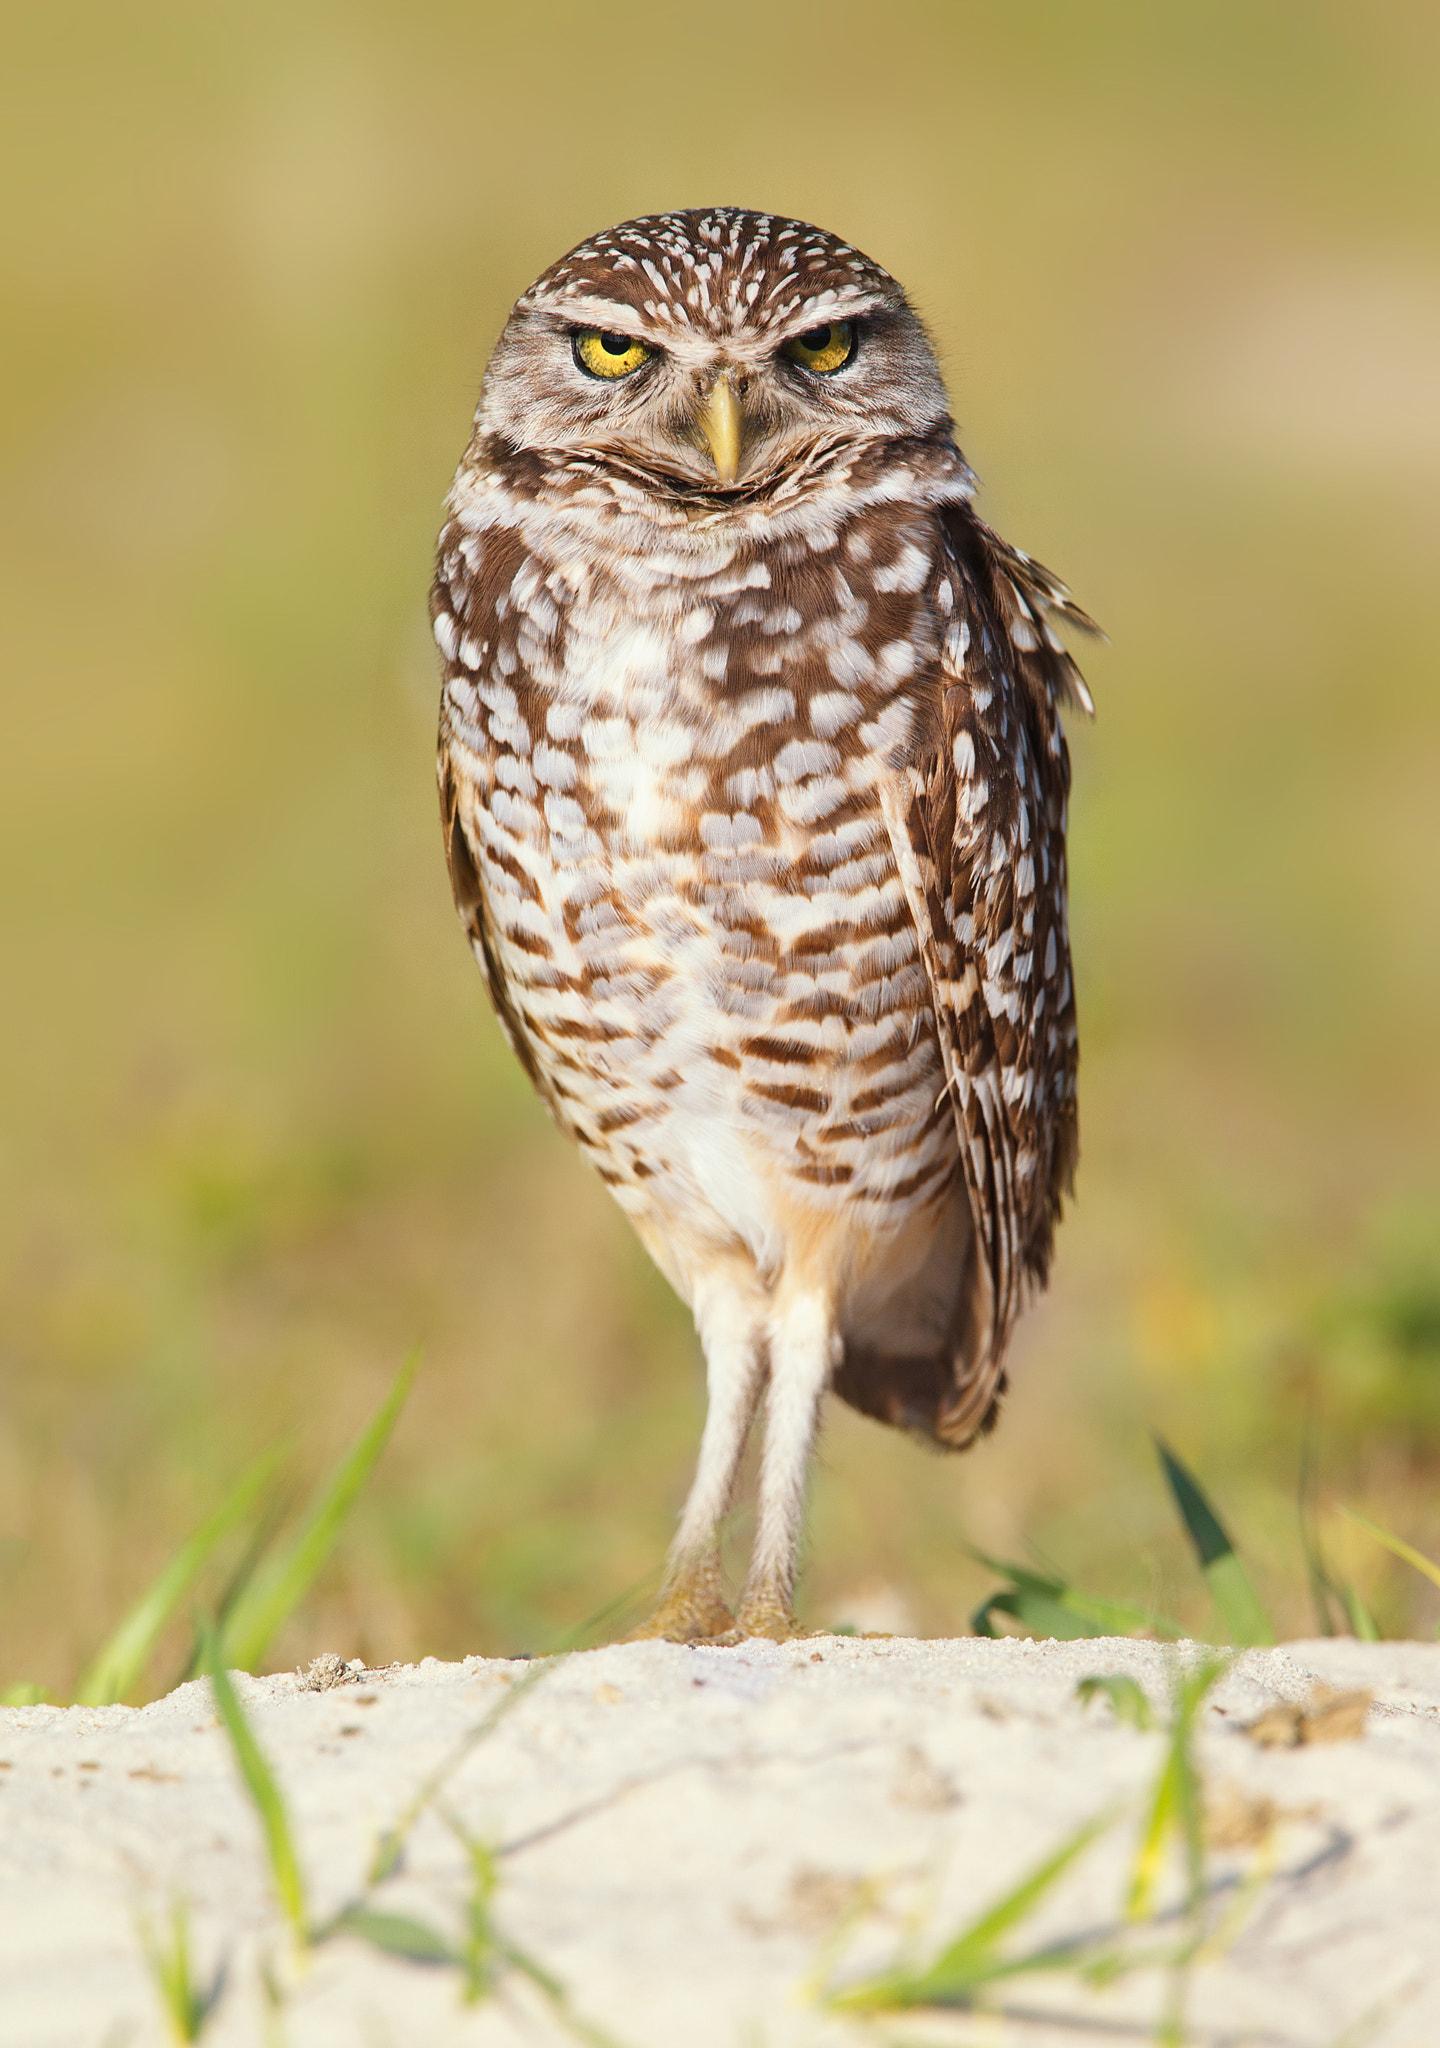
474, 621
979, 827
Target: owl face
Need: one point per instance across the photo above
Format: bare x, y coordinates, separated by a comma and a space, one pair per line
711, 352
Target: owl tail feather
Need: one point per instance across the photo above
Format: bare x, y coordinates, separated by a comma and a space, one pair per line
949, 1396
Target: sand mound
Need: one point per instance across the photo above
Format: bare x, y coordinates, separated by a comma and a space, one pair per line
686, 1835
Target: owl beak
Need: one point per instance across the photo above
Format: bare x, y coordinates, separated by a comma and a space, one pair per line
722, 422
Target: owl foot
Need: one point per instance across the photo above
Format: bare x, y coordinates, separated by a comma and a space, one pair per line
766, 1614
691, 1609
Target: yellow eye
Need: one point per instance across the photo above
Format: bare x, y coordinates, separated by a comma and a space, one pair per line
825, 349
601, 354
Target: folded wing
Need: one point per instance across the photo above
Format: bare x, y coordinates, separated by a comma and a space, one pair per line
978, 825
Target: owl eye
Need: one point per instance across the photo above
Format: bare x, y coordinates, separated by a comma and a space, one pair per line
601, 354
825, 349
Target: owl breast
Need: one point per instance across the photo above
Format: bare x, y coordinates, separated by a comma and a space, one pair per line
670, 767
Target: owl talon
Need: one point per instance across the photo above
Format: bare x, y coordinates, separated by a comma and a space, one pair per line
666, 1625
690, 1610
769, 1618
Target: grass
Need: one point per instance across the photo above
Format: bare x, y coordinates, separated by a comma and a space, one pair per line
481, 1954
273, 1579
270, 1583
978, 1957
1242, 1618
1174, 1811
1045, 1603
967, 1969
1173, 1913
1407, 1551
264, 1793
117, 1668
964, 1971
270, 1593
391, 1845
187, 2002
1129, 1702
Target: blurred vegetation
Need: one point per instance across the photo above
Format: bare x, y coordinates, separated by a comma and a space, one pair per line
259, 1134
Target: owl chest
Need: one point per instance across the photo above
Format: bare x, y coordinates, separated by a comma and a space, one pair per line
709, 952
655, 875
673, 852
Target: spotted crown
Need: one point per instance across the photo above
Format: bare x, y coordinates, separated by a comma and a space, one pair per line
719, 267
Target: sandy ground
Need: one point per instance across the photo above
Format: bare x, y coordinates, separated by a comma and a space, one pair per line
685, 1831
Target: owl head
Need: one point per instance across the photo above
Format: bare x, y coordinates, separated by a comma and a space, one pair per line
711, 351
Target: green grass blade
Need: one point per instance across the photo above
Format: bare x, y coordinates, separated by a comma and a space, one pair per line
486, 1952
24, 1693
972, 1958
1325, 1595
1119, 1617
281, 1582
1207, 1532
188, 2004
395, 1934
1128, 1700
1150, 1856
1401, 1549
265, 1796
1191, 1693
1022, 1575
1175, 1806
578, 1635
391, 1845
258, 1538
1186, 1814
1238, 1604
975, 1947
558, 1999
272, 2011
482, 1952
1362, 1621
1047, 1606
1043, 1616
1236, 1601
115, 1669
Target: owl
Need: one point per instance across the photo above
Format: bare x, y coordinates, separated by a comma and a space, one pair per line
754, 796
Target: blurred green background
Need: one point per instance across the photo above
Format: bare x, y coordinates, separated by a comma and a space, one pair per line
260, 1133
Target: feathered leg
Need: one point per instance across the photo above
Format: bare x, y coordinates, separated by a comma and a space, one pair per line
692, 1606
805, 1349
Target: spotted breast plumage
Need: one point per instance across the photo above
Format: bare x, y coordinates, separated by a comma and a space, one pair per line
754, 791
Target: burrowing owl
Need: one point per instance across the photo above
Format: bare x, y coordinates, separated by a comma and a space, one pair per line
754, 794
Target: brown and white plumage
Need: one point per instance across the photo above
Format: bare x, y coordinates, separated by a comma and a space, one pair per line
754, 792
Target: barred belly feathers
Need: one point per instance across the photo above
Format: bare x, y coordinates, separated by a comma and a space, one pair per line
754, 794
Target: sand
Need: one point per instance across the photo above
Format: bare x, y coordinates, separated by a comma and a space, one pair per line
689, 1837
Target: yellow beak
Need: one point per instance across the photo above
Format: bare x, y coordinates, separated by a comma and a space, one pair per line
722, 422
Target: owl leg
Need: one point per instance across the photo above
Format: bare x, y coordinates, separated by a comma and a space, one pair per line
692, 1606
805, 1349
